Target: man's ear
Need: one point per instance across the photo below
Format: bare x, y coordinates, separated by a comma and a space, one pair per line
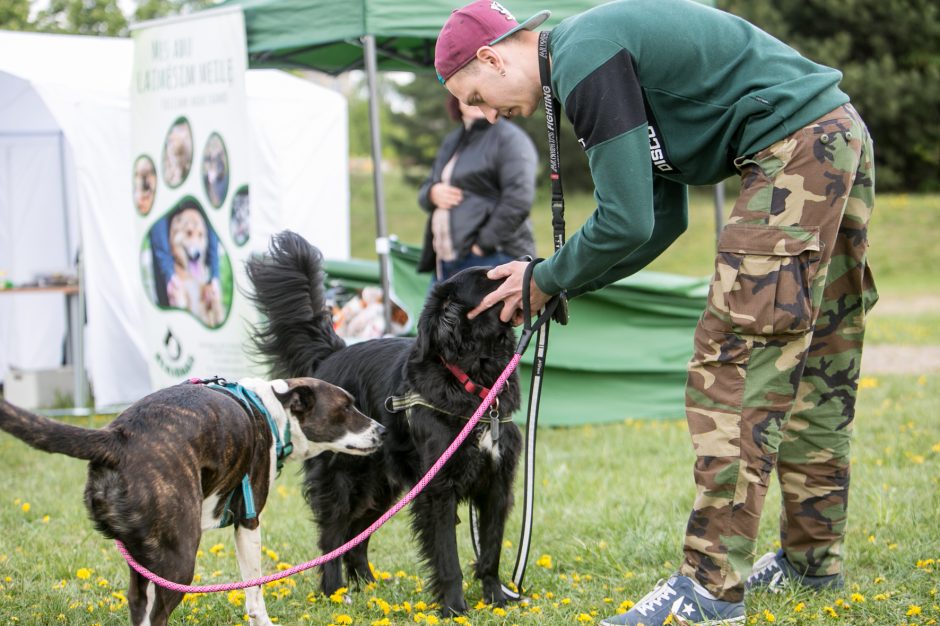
490, 58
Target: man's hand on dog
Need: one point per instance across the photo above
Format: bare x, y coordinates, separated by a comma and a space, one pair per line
510, 293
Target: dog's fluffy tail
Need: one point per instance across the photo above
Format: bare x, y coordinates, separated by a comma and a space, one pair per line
50, 435
288, 290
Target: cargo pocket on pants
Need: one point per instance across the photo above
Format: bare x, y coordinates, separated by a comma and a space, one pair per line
766, 276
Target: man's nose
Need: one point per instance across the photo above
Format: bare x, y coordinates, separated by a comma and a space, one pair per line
490, 113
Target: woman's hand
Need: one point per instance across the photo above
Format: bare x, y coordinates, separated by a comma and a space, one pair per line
445, 196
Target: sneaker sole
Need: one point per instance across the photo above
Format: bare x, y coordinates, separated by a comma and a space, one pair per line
721, 622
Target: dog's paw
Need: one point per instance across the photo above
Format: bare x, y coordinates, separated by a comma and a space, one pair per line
454, 607
260, 620
493, 593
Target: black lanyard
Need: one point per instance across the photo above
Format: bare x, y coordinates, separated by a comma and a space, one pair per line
552, 117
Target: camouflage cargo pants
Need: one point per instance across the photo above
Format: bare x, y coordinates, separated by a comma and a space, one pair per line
773, 377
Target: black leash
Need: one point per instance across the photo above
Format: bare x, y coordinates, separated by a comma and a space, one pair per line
556, 309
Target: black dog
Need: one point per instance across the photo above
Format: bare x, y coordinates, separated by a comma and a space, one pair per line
185, 458
348, 494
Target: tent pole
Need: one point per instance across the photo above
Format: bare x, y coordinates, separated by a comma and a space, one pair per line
381, 230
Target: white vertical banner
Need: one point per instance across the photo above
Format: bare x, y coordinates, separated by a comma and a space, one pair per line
190, 168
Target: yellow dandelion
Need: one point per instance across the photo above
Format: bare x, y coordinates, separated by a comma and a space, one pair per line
339, 595
857, 598
432, 620
625, 606
217, 548
669, 620
831, 612
585, 618
501, 612
26, 507
102, 582
45, 519
867, 382
382, 622
768, 616
913, 610
544, 561
462, 619
343, 620
83, 573
421, 606
236, 597
881, 597
566, 601
799, 607
271, 554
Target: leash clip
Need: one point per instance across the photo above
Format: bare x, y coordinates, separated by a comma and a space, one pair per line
494, 420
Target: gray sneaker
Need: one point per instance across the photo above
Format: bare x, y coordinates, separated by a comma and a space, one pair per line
686, 601
773, 571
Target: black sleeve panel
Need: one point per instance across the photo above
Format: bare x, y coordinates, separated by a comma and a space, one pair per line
607, 102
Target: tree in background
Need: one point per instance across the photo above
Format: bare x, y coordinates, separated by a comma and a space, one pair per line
424, 124
14, 15
889, 54
89, 17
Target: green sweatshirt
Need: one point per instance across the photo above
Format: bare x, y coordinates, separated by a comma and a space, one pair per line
664, 94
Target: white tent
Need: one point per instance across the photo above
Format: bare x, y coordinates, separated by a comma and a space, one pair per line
65, 186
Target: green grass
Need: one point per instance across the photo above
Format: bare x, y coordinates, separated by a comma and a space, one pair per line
611, 505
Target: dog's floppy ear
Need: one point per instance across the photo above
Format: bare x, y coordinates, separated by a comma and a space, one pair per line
299, 398
303, 400
438, 326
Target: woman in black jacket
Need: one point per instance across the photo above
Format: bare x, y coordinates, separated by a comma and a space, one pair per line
478, 196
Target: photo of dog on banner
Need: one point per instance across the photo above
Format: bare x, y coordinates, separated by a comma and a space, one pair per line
376, 400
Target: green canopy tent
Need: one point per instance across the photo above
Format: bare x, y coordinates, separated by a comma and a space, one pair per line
336, 37
624, 353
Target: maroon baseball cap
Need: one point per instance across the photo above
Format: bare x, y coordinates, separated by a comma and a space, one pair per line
480, 23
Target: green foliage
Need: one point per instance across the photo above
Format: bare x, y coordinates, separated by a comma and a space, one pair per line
82, 17
90, 17
14, 15
152, 9
889, 53
424, 126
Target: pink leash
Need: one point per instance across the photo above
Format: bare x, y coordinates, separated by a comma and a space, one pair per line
355, 541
